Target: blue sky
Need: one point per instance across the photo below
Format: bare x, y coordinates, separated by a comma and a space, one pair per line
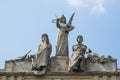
22, 22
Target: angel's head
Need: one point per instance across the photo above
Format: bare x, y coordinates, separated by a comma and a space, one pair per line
63, 19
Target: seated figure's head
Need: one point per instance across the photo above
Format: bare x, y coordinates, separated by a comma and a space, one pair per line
79, 39
45, 38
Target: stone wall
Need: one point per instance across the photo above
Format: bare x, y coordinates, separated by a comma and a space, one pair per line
60, 64
101, 67
18, 66
59, 76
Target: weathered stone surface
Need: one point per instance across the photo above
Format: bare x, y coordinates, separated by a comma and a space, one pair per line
58, 64
60, 76
1, 70
118, 70
18, 66
101, 67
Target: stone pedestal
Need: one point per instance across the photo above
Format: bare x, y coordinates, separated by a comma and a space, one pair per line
58, 64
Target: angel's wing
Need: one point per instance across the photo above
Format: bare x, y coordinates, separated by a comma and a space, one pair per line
71, 18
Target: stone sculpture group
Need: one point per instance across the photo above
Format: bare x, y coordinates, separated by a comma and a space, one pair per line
41, 62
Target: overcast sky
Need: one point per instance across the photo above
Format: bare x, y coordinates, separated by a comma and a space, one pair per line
22, 22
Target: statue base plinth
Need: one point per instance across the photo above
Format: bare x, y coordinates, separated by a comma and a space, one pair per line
58, 64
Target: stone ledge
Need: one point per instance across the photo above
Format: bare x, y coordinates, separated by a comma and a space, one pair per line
62, 73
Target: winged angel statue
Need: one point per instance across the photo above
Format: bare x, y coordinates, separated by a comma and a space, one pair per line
62, 38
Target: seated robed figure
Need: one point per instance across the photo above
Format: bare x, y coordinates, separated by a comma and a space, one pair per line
77, 60
41, 58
